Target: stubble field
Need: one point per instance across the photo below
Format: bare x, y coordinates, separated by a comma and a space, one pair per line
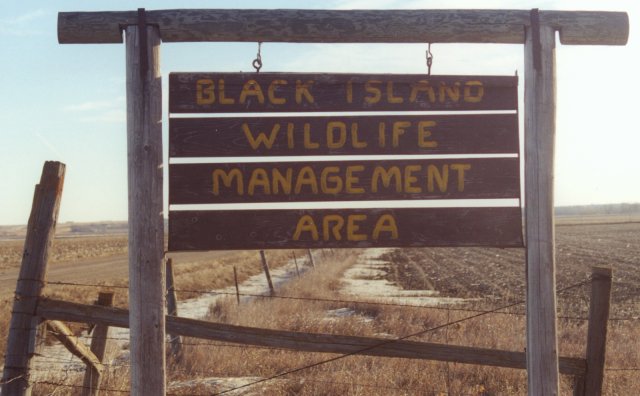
487, 278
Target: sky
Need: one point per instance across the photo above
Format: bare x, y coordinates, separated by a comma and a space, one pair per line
67, 102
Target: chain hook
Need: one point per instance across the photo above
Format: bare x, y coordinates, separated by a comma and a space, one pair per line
429, 56
257, 63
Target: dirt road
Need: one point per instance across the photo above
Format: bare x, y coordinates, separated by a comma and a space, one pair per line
93, 269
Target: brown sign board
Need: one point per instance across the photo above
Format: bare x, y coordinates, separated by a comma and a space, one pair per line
328, 228
466, 178
473, 156
295, 92
343, 135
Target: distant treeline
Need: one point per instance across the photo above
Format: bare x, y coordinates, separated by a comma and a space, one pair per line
594, 210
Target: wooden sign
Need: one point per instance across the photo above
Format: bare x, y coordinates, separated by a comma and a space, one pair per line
325, 228
293, 92
343, 135
465, 156
467, 178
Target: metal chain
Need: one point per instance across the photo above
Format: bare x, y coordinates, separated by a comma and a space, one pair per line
257, 63
429, 59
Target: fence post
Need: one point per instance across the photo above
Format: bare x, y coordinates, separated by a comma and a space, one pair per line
265, 266
235, 279
597, 332
93, 377
175, 341
24, 324
313, 264
295, 261
146, 223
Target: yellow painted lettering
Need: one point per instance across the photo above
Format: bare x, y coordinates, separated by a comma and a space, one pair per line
385, 176
434, 175
332, 142
424, 134
453, 93
251, 88
259, 178
227, 180
307, 143
460, 168
303, 89
351, 179
375, 92
205, 92
398, 129
306, 177
262, 138
221, 93
280, 181
328, 230
386, 223
329, 175
390, 97
306, 224
290, 141
354, 137
382, 132
410, 178
353, 228
271, 92
476, 95
422, 86
349, 91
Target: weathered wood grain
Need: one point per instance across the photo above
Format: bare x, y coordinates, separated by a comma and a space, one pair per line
276, 229
310, 342
99, 337
343, 135
64, 334
24, 324
346, 26
286, 92
463, 178
146, 225
597, 332
540, 113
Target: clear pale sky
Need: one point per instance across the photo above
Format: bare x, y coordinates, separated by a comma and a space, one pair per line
67, 102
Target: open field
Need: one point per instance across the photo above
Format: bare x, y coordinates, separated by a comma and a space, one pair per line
486, 278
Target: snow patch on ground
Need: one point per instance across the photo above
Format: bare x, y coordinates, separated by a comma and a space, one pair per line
366, 279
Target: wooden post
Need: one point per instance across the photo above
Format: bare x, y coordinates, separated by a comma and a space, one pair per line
24, 325
313, 264
265, 266
93, 377
172, 309
540, 95
295, 261
146, 223
235, 279
597, 333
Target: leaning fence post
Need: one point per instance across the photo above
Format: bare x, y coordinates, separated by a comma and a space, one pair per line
93, 377
40, 232
597, 332
265, 266
172, 308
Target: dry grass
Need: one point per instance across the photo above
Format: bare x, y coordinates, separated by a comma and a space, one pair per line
361, 375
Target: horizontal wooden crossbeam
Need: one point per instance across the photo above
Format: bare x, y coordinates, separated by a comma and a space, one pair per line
309, 342
346, 26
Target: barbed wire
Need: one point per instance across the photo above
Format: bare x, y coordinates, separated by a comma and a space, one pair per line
346, 301
391, 341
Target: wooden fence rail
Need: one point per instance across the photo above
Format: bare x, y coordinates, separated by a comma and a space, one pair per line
309, 342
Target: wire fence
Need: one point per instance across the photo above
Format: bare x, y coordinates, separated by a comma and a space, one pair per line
504, 309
